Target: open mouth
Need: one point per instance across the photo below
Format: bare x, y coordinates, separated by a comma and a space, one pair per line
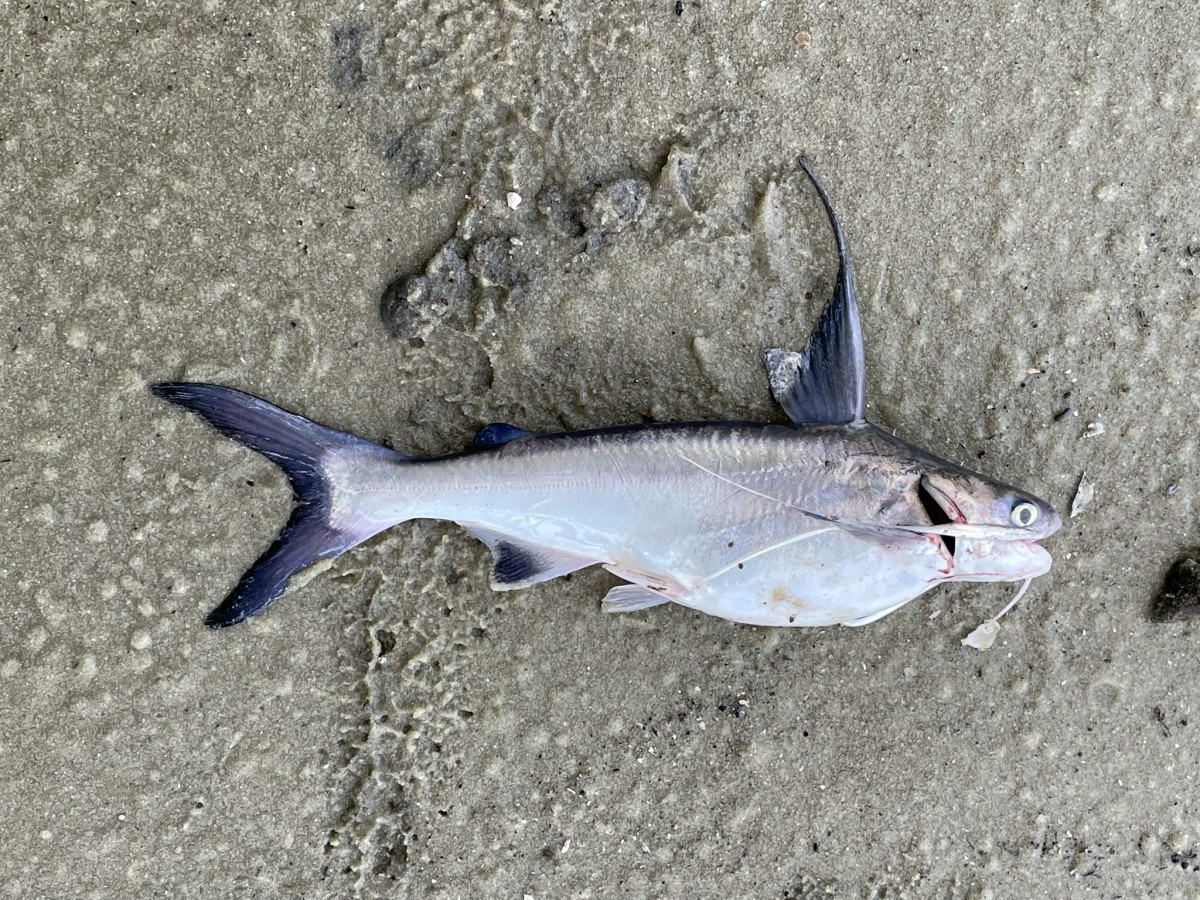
938, 515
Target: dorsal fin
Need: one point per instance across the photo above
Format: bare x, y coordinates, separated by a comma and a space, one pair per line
826, 384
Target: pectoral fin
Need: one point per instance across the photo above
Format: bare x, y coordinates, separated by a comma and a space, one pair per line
518, 563
826, 384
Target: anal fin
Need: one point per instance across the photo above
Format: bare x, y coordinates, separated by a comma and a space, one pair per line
631, 598
517, 563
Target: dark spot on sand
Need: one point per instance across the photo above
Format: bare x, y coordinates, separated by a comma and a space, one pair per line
386, 641
346, 67
1179, 598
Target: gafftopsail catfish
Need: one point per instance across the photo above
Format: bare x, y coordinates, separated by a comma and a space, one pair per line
827, 520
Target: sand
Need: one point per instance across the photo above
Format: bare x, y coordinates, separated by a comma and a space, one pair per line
602, 201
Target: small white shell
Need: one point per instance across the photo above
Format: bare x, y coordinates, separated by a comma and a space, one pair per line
1083, 495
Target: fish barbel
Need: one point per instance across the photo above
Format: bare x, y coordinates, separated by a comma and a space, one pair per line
828, 520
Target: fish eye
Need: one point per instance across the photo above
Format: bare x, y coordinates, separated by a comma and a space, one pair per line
1023, 514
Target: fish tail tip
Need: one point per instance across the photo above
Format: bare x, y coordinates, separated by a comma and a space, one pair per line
179, 392
215, 622
249, 597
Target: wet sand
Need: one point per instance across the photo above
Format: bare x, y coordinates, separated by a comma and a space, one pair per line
407, 221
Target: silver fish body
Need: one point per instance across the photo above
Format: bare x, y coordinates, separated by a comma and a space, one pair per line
762, 524
829, 520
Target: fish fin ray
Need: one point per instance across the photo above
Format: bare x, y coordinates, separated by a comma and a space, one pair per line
518, 563
626, 598
299, 447
826, 384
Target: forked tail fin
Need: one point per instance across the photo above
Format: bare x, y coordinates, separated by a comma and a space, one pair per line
301, 448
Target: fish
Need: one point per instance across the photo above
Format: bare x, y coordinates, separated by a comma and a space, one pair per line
826, 520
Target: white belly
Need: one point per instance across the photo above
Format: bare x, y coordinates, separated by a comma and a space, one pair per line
829, 578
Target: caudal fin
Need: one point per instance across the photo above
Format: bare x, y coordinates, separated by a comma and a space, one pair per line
301, 448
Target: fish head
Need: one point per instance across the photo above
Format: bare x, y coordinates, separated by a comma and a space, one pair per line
990, 530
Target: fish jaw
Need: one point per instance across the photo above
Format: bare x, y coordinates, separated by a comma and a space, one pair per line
999, 560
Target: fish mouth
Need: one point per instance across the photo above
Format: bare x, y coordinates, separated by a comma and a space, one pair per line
941, 510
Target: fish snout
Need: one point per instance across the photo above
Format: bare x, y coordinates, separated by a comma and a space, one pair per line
1053, 522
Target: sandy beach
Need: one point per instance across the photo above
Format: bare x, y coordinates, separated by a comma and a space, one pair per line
409, 220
